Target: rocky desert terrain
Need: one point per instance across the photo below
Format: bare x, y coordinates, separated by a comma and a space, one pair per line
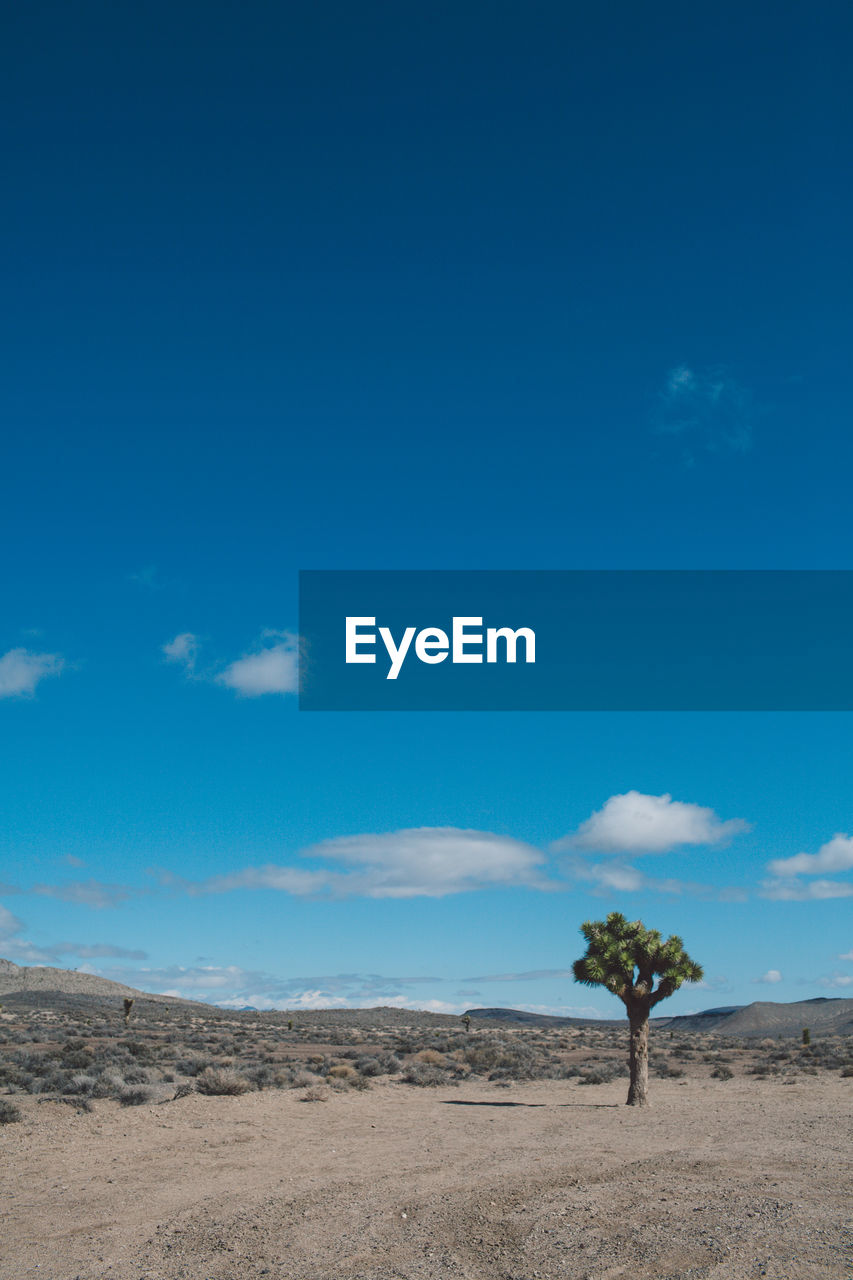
198, 1144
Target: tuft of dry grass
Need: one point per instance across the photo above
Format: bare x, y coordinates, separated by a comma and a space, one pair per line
221, 1082
314, 1094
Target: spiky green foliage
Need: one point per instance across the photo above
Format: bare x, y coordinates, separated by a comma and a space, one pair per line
625, 957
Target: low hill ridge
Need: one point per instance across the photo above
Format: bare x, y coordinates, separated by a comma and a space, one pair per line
15, 978
822, 1014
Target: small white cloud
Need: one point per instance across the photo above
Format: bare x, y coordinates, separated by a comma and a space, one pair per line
296, 880
96, 951
271, 669
805, 891
770, 977
86, 893
836, 855
21, 670
847, 955
620, 877
637, 824
183, 649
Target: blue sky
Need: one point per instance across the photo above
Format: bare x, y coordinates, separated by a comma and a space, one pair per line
470, 286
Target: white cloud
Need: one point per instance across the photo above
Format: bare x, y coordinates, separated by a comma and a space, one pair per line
785, 883
271, 669
296, 880
838, 981
419, 862
620, 877
95, 951
230, 986
183, 649
770, 977
847, 955
805, 891
21, 670
836, 855
432, 861
86, 893
638, 824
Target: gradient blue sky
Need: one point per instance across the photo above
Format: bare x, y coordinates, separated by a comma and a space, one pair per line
394, 286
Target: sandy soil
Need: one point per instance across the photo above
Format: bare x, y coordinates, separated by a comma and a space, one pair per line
724, 1179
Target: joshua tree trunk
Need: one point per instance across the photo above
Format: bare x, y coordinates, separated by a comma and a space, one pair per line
639, 1058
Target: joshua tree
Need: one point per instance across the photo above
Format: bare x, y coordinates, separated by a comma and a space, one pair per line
625, 957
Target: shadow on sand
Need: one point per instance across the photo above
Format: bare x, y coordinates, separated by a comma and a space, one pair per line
464, 1102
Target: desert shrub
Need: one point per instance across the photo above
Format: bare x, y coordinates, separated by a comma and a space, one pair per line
380, 1065
431, 1057
722, 1072
79, 1059
139, 1050
136, 1075
314, 1094
261, 1076
185, 1089
602, 1072
303, 1080
82, 1084
9, 1113
667, 1071
221, 1081
14, 1077
846, 1072
136, 1095
504, 1059
343, 1072
369, 1067
192, 1066
424, 1074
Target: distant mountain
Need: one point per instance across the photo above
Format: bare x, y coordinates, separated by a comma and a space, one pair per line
822, 1016
522, 1016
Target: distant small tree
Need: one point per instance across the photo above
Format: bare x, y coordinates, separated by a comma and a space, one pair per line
625, 957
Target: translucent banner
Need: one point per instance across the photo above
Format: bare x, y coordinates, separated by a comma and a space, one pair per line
576, 640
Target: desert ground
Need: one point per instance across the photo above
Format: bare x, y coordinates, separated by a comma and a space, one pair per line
194, 1144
